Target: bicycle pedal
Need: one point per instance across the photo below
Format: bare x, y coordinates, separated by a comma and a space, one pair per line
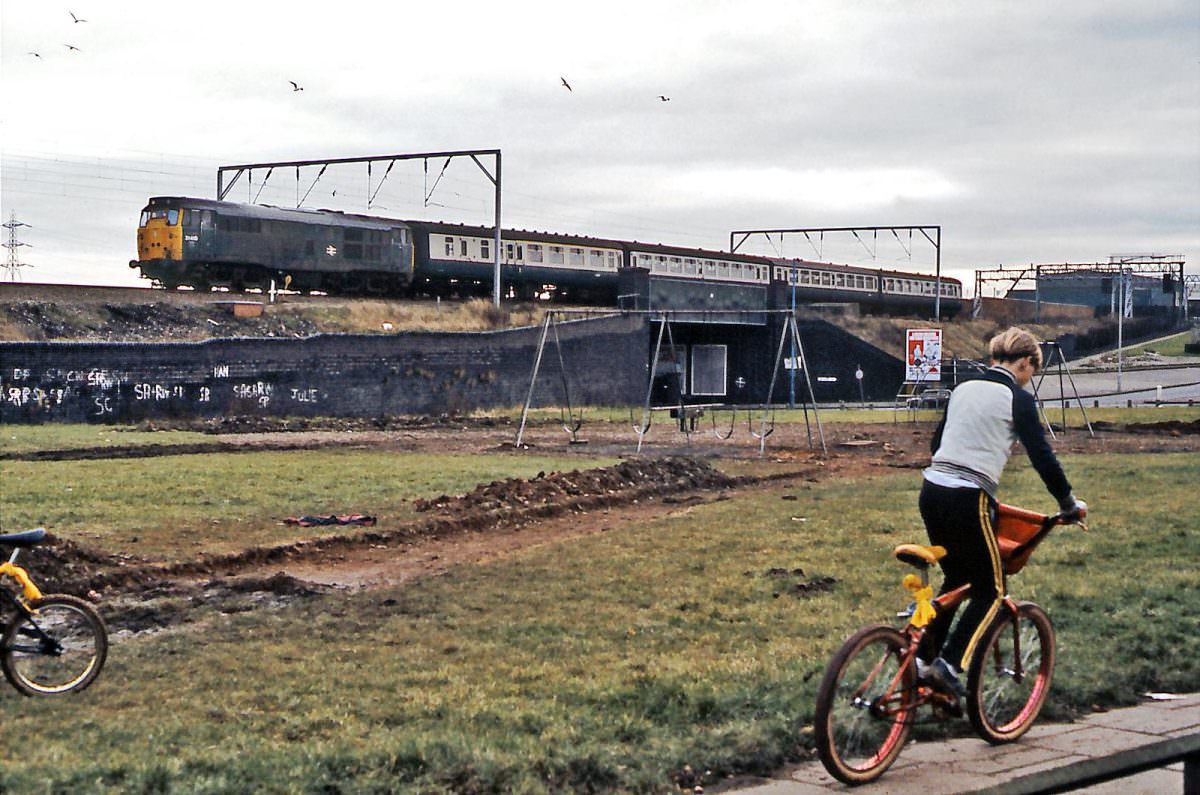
945, 706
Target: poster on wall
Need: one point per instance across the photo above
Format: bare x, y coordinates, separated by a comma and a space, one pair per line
923, 354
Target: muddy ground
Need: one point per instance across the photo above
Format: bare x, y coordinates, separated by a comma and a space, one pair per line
673, 473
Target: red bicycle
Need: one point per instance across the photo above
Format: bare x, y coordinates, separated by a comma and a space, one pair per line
870, 695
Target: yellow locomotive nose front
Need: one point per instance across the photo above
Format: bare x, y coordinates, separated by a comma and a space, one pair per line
160, 234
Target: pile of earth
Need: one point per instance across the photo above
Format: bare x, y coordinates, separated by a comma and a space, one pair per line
251, 424
1165, 428
663, 476
145, 322
59, 565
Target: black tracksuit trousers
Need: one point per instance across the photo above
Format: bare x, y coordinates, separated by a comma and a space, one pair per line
961, 520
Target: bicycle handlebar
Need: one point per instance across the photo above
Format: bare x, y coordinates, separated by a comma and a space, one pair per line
1074, 517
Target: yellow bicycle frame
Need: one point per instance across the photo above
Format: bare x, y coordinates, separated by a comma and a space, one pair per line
29, 590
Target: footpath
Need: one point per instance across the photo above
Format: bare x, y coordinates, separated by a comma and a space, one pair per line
1052, 757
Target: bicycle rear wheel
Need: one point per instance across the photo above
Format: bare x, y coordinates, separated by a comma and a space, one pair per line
59, 648
861, 720
1009, 678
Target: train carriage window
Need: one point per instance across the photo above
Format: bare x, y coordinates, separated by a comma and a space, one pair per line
462, 247
556, 255
508, 252
611, 258
450, 246
577, 256
535, 252
485, 249
595, 258
520, 252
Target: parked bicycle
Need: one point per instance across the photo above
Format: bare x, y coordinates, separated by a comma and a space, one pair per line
869, 698
53, 643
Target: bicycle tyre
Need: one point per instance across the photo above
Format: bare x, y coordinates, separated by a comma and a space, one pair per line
855, 741
82, 647
1001, 707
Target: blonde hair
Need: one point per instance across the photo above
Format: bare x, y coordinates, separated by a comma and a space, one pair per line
1013, 344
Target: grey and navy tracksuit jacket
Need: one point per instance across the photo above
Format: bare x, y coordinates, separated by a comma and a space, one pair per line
983, 419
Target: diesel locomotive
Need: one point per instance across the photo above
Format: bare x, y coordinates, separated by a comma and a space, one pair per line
203, 244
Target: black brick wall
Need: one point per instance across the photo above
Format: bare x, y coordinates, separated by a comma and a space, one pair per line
326, 375
606, 361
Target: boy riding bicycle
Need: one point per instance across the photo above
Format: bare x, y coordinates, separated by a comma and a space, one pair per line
958, 495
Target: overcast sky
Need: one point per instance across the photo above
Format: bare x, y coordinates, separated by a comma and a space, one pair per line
1031, 132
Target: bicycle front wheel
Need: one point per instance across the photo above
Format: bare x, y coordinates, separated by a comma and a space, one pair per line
863, 706
58, 648
1009, 678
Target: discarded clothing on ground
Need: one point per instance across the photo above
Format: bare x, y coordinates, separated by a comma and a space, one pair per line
349, 518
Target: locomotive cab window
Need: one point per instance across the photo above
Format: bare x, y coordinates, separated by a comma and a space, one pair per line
144, 219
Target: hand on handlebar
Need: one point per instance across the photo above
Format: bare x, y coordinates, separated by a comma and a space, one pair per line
1074, 513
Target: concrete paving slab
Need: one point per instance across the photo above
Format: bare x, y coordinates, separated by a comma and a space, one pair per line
1096, 741
963, 765
1154, 719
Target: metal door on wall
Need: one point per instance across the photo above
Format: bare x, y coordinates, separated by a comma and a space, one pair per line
709, 368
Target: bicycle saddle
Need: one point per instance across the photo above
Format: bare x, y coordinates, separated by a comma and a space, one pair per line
918, 555
29, 538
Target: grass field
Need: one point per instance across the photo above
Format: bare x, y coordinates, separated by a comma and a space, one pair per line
626, 660
177, 507
1170, 346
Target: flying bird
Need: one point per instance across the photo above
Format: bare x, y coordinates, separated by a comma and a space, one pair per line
664, 98
72, 47
35, 54
296, 87
566, 84
77, 19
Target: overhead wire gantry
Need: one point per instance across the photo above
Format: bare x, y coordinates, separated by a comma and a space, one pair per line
248, 169
932, 233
